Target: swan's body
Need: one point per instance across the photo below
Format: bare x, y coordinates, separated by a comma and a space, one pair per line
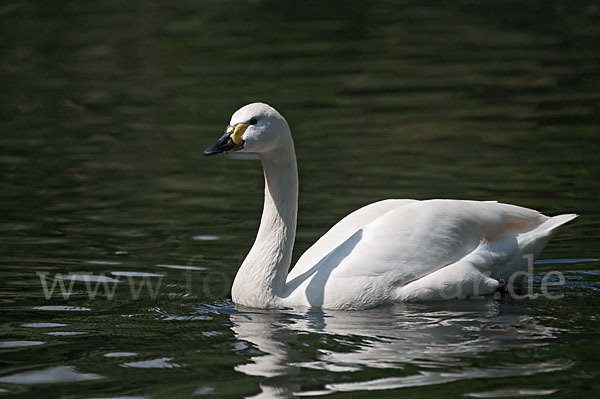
385, 252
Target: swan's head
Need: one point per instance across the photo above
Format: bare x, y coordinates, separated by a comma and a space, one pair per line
256, 128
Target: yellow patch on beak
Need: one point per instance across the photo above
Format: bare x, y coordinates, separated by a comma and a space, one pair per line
238, 132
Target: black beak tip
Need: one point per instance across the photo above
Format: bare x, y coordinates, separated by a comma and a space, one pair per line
214, 149
225, 144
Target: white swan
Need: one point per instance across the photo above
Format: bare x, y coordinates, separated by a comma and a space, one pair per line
388, 251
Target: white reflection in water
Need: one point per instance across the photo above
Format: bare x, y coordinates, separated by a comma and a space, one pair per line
135, 274
204, 390
509, 393
60, 308
50, 375
432, 337
19, 344
66, 333
424, 378
162, 363
43, 325
205, 238
120, 354
182, 267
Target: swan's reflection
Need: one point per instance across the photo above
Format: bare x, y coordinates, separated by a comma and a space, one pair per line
430, 338
269, 332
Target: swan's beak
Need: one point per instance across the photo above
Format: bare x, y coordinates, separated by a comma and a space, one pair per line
232, 140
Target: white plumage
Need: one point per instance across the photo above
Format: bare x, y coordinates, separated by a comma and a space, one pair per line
388, 251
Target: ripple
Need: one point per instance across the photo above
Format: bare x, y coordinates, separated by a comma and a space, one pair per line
50, 375
205, 238
120, 354
65, 333
224, 307
427, 378
566, 260
188, 318
136, 274
63, 308
43, 325
162, 363
314, 393
181, 267
103, 262
590, 272
333, 367
502, 393
19, 344
204, 390
99, 278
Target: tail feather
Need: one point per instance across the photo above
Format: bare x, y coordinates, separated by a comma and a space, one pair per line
554, 222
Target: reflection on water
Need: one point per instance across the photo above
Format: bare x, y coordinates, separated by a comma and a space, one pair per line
52, 375
506, 393
162, 363
428, 344
60, 308
19, 344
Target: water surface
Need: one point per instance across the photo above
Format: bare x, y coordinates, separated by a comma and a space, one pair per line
119, 241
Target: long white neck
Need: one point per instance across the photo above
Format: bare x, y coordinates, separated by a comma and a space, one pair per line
261, 277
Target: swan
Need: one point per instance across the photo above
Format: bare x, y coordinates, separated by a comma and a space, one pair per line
390, 251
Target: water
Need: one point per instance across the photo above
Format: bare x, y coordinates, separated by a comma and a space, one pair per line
108, 105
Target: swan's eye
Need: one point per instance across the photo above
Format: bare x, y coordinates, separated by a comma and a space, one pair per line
253, 121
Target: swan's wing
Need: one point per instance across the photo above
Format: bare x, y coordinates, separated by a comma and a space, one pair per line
341, 231
421, 239
478, 272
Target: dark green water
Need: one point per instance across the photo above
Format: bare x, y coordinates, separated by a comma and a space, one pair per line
107, 106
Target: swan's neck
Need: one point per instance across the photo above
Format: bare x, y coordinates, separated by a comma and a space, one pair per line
261, 278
